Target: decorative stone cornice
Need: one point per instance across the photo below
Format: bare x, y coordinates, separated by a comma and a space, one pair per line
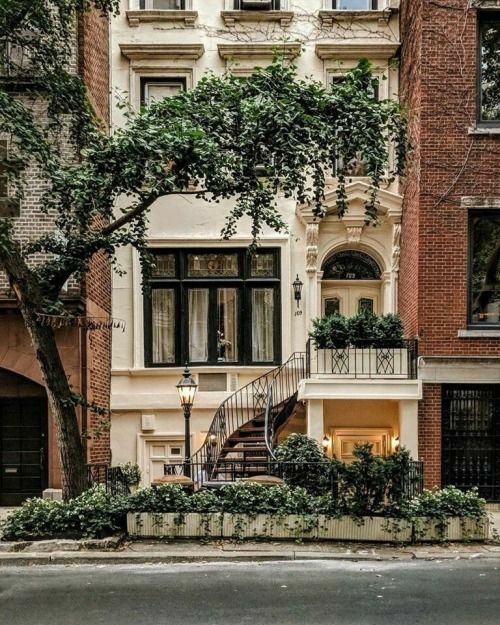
331, 17
348, 50
134, 51
156, 15
245, 50
484, 4
232, 17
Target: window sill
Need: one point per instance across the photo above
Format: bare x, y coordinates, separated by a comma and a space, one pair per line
484, 130
328, 18
254, 370
158, 15
479, 334
231, 17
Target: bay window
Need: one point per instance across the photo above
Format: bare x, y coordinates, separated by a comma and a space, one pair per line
215, 308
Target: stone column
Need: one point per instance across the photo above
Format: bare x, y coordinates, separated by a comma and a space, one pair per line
408, 426
315, 425
312, 235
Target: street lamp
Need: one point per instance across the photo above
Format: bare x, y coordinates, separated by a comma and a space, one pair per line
187, 390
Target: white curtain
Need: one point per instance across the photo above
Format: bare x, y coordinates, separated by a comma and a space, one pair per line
198, 325
263, 325
163, 326
227, 304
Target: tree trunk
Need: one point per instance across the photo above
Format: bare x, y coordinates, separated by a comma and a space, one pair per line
69, 440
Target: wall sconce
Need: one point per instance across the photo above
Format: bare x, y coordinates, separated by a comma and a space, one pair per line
325, 443
297, 289
213, 440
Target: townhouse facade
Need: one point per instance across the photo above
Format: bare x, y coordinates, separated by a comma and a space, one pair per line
242, 322
28, 448
450, 271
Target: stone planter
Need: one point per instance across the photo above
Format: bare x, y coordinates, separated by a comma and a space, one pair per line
453, 529
374, 529
269, 526
173, 525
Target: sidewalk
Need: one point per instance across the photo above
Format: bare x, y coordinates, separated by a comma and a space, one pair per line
160, 552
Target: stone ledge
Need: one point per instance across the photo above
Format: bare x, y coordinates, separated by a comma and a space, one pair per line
238, 50
372, 49
157, 15
484, 130
140, 51
479, 334
232, 17
330, 17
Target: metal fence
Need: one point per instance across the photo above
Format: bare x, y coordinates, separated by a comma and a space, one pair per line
112, 478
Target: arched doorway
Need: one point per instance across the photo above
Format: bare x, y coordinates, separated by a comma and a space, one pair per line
352, 282
23, 439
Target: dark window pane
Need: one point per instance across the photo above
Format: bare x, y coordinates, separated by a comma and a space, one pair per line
351, 265
164, 265
490, 70
365, 304
213, 265
485, 296
257, 5
262, 266
332, 306
227, 330
163, 326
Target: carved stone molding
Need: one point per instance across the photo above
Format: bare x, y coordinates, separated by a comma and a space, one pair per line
232, 17
396, 247
192, 51
484, 4
330, 17
245, 50
352, 50
157, 15
354, 233
480, 202
312, 237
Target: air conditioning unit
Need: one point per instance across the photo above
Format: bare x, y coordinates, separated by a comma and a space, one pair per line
256, 4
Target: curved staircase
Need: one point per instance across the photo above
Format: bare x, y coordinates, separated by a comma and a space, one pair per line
240, 439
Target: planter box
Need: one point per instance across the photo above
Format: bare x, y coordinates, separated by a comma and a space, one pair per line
193, 525
376, 529
430, 530
291, 526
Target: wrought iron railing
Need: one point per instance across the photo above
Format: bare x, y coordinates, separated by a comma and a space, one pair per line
247, 403
282, 396
384, 359
229, 471
112, 478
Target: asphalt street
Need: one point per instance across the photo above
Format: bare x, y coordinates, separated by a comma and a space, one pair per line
450, 592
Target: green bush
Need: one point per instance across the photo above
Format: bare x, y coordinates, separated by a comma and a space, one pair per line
450, 502
316, 477
362, 330
94, 514
131, 473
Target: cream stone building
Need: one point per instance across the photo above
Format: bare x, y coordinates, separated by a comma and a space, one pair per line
235, 318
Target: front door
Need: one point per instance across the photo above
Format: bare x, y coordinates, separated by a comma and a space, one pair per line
23, 449
350, 299
471, 438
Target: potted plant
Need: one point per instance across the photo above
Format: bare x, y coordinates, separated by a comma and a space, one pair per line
132, 474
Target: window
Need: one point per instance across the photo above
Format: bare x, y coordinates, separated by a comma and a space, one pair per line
355, 5
165, 5
484, 287
257, 5
3, 170
213, 307
489, 70
351, 265
155, 89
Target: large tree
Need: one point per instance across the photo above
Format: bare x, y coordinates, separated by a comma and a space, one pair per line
226, 138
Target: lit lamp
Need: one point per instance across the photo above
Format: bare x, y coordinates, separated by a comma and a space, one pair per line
297, 289
187, 390
325, 443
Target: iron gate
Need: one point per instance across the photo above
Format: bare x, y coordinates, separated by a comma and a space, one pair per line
471, 438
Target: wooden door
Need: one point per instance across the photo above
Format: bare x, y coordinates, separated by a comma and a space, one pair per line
23, 449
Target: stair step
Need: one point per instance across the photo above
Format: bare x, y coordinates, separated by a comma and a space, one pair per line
244, 439
246, 449
244, 428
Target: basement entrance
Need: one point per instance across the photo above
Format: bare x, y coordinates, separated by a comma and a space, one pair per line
23, 439
471, 438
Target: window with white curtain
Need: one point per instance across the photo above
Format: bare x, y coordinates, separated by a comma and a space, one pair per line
213, 307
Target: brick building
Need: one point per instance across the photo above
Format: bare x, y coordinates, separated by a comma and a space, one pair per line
29, 457
450, 248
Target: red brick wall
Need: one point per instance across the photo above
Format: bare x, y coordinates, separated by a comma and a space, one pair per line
438, 84
429, 434
93, 44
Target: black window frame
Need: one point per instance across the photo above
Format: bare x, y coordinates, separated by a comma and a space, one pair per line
4, 185
142, 6
374, 6
474, 214
483, 17
245, 283
178, 80
275, 6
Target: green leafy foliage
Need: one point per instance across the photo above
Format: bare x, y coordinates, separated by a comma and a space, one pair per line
450, 502
131, 472
362, 330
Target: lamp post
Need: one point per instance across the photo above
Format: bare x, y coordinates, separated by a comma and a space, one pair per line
187, 390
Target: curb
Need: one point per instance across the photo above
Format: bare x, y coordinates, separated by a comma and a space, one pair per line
107, 558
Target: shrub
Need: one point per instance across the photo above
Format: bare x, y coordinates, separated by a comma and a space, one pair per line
363, 330
131, 473
94, 514
450, 502
330, 332
390, 331
316, 477
166, 498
